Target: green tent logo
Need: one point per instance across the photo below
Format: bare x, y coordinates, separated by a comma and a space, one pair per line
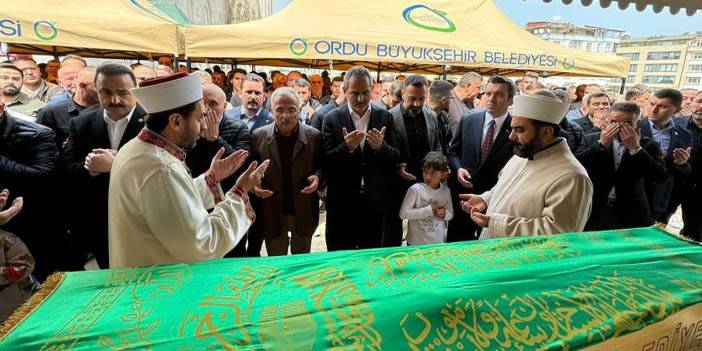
45, 30
568, 63
298, 46
425, 17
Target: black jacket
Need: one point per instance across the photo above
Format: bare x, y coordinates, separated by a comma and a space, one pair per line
344, 169
233, 136
587, 125
57, 116
88, 131
631, 207
466, 148
573, 134
660, 194
318, 116
28, 159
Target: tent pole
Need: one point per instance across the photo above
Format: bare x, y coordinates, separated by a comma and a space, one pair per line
445, 71
189, 64
378, 78
621, 90
176, 63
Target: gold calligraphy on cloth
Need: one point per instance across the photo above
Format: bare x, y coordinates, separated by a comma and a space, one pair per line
579, 314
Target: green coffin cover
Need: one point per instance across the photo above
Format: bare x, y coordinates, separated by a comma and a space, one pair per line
638, 289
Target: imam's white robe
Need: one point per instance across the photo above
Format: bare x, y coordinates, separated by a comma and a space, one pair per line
157, 211
550, 194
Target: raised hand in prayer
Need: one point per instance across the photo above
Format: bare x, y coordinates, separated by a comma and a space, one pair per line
222, 168
608, 134
262, 193
252, 176
464, 178
353, 139
600, 117
629, 137
439, 211
314, 184
472, 202
212, 131
375, 138
402, 171
480, 219
6, 216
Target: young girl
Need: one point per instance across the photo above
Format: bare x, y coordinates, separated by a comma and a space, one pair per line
427, 205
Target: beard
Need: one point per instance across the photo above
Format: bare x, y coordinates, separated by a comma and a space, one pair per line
188, 140
10, 90
526, 150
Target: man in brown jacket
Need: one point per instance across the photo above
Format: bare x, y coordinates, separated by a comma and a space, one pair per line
289, 190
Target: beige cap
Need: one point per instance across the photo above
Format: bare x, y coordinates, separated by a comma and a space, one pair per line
540, 108
169, 92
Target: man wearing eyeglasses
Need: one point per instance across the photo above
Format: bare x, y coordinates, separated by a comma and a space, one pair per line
32, 85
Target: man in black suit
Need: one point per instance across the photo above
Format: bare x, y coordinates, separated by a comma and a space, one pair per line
676, 144
57, 116
318, 116
691, 205
255, 116
440, 97
221, 132
94, 139
418, 133
479, 150
360, 152
617, 161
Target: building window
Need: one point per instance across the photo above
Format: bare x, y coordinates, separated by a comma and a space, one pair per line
588, 47
630, 79
668, 67
633, 68
663, 55
658, 79
573, 44
693, 80
633, 56
697, 55
695, 68
608, 47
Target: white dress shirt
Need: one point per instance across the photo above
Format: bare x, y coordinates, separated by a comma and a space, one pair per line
499, 121
115, 129
361, 122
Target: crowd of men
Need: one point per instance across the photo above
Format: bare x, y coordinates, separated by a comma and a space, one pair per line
347, 144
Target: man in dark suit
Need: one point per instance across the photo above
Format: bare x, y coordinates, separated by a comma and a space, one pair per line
252, 111
418, 133
289, 190
318, 116
691, 205
676, 144
440, 97
617, 161
56, 116
360, 154
255, 116
94, 139
479, 150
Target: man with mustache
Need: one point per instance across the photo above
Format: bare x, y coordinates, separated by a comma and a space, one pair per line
158, 212
289, 191
11, 80
543, 189
418, 133
94, 138
691, 207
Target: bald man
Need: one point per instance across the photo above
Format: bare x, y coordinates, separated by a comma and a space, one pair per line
67, 76
57, 115
143, 73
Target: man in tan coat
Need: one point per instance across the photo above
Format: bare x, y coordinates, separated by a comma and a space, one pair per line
543, 189
289, 190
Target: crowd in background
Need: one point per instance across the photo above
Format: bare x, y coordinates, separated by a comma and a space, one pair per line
62, 123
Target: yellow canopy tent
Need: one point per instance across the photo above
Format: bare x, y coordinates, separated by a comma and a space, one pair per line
397, 35
98, 28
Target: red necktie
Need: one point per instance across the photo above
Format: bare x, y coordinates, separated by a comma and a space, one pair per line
487, 143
